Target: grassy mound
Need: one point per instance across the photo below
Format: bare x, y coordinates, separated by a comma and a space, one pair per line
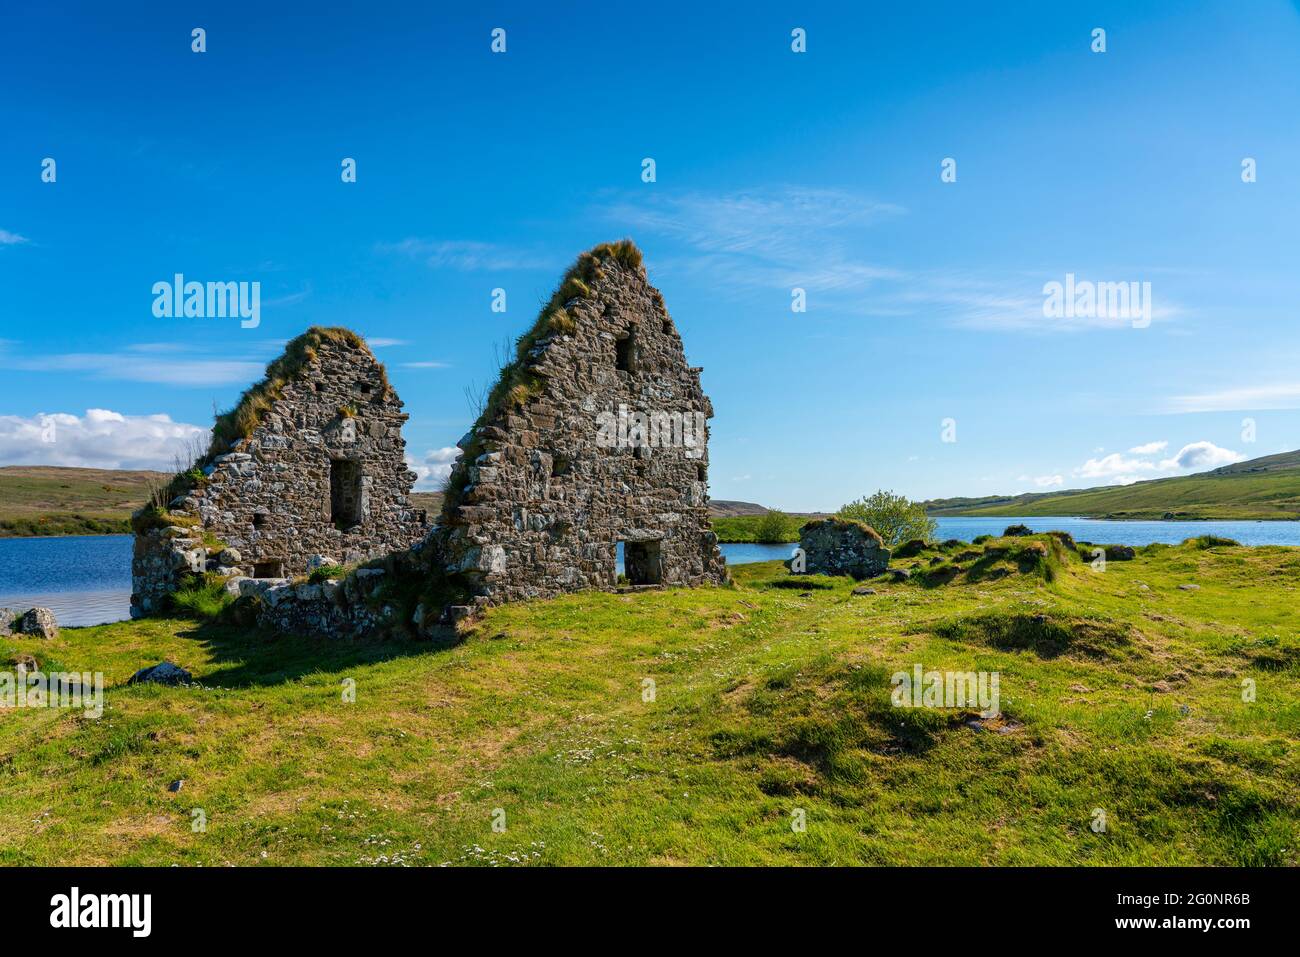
937, 564
1047, 635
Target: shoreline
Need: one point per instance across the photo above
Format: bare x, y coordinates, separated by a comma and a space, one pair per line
6, 534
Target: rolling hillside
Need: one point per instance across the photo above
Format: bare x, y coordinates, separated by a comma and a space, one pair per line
50, 500
1262, 488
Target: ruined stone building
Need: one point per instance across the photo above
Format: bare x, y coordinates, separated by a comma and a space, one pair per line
595, 437
309, 463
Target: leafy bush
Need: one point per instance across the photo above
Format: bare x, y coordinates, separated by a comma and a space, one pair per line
1013, 530
774, 527
894, 517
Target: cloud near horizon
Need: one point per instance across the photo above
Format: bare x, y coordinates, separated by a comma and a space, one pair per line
99, 439
1195, 456
433, 470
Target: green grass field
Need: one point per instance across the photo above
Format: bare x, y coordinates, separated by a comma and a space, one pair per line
47, 500
1120, 692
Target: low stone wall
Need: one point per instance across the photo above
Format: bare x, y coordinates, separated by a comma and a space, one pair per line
837, 546
160, 560
367, 601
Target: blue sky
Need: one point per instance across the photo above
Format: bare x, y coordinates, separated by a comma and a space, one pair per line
775, 170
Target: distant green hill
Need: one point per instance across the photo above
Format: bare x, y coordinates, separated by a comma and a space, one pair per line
1263, 488
51, 500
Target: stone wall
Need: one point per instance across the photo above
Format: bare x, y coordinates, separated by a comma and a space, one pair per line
321, 473
837, 546
600, 438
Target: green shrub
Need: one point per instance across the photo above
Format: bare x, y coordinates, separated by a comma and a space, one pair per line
325, 573
774, 527
894, 517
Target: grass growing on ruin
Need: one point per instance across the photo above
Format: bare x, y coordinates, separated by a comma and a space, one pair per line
517, 382
1119, 691
240, 421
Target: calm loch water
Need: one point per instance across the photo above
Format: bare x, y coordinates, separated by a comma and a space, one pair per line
86, 580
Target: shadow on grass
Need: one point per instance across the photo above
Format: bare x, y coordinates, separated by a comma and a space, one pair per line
260, 657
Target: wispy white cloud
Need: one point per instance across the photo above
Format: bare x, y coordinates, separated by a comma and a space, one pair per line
11, 239
379, 342
1243, 399
814, 239
774, 238
1149, 448
467, 255
425, 365
99, 439
136, 367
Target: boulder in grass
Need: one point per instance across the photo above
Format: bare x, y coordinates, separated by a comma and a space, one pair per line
8, 619
38, 623
163, 673
1120, 553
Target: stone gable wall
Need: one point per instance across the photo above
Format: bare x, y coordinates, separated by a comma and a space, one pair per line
541, 511
268, 500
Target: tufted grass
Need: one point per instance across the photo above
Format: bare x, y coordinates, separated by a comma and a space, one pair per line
770, 697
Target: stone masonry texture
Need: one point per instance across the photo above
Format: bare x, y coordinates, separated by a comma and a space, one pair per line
322, 473
556, 482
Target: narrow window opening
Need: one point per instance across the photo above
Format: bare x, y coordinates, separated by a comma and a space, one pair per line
701, 472
560, 465
365, 388
345, 493
623, 352
668, 327
259, 520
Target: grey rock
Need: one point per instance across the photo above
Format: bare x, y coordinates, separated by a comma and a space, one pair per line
38, 623
163, 673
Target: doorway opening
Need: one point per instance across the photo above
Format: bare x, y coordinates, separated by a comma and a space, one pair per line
642, 563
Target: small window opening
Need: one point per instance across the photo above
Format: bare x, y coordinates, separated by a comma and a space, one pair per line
701, 472
259, 520
668, 327
623, 354
365, 388
560, 465
269, 569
